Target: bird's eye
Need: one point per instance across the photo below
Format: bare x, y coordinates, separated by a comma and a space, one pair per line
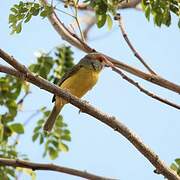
101, 60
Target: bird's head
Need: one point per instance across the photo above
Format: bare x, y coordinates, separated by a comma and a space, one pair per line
93, 61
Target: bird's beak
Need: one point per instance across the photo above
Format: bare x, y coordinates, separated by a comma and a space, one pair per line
105, 61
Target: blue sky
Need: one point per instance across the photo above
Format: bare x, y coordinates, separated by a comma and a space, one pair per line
94, 146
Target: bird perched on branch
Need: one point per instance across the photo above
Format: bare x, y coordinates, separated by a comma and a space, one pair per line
78, 81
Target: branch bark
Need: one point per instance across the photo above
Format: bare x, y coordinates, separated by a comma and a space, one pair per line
50, 167
22, 72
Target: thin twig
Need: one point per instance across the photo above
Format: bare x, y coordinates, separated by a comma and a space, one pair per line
25, 123
23, 98
77, 20
110, 121
50, 167
57, 9
145, 91
118, 17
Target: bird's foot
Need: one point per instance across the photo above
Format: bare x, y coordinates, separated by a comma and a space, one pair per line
80, 110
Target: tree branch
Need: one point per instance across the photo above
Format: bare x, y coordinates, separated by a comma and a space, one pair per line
65, 33
122, 5
110, 121
155, 79
75, 41
145, 91
130, 4
50, 167
125, 36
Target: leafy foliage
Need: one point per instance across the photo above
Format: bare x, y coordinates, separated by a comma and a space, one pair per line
10, 89
52, 68
17, 127
12, 94
63, 62
24, 11
161, 10
103, 9
43, 66
8, 151
176, 166
54, 141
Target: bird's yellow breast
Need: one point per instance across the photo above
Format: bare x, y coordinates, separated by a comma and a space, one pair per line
80, 82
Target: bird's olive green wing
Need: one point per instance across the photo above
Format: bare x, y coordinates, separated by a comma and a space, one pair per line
68, 74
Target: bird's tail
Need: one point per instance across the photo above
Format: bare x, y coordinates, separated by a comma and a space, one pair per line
52, 118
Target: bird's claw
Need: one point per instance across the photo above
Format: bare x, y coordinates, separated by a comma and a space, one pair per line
80, 110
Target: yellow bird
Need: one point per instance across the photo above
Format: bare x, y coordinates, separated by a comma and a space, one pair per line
78, 81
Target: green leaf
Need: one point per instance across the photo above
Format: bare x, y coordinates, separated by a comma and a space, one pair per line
17, 127
167, 18
177, 161
35, 10
37, 129
47, 11
101, 20
28, 18
12, 106
109, 22
179, 23
55, 143
161, 10
14, 10
147, 12
158, 19
63, 147
35, 136
10, 172
12, 18
66, 137
174, 167
41, 140
52, 153
1, 131
40, 122
19, 27
23, 12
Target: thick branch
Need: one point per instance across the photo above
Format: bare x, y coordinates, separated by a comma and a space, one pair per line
50, 167
75, 41
110, 121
